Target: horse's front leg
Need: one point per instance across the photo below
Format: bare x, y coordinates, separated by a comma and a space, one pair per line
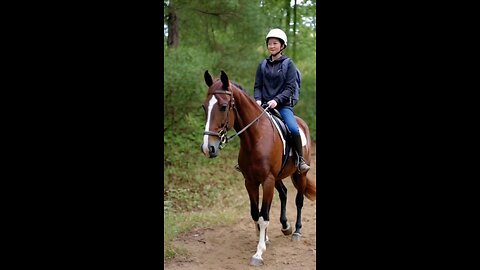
253, 194
263, 220
252, 189
257, 259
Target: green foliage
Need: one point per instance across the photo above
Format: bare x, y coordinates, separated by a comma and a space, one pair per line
194, 182
183, 84
306, 107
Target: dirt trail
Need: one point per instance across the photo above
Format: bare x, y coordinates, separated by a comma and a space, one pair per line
231, 247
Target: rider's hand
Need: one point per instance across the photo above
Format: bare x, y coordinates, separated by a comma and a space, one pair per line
272, 104
259, 102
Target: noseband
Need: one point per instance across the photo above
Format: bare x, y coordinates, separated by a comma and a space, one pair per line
222, 134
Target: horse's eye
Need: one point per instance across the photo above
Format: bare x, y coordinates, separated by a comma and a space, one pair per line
223, 108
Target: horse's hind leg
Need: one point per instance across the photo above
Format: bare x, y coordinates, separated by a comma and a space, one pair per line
299, 181
282, 193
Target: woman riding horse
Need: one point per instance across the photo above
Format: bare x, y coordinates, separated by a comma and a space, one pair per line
227, 106
273, 89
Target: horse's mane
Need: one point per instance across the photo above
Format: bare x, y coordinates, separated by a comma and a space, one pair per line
239, 86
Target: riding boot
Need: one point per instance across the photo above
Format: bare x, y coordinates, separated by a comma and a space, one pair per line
297, 144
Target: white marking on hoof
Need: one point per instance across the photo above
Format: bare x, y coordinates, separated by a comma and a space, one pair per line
256, 261
296, 237
261, 247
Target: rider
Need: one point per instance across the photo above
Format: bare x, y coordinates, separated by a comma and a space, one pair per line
276, 91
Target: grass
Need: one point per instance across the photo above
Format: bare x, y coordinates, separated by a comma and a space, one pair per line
177, 223
199, 192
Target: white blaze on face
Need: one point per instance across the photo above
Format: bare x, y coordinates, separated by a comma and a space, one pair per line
211, 103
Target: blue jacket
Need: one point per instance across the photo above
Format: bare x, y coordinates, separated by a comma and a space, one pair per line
275, 86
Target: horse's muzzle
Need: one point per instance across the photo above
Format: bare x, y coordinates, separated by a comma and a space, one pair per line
211, 150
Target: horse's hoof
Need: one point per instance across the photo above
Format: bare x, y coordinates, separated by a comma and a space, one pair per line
256, 261
296, 237
288, 230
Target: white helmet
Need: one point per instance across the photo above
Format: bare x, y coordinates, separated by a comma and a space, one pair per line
277, 33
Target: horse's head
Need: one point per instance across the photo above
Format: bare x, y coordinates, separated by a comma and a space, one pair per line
219, 115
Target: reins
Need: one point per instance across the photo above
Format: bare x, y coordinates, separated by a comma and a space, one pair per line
243, 129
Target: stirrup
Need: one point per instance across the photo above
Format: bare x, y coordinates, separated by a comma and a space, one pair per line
237, 167
300, 163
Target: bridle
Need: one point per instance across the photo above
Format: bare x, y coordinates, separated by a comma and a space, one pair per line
222, 134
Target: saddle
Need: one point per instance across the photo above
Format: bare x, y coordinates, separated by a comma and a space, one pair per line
285, 133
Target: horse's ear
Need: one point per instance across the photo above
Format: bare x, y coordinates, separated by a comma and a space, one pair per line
208, 78
224, 79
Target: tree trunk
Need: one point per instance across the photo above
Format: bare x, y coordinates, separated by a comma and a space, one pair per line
294, 28
287, 23
173, 31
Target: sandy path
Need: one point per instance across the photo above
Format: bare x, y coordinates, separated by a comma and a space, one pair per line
231, 247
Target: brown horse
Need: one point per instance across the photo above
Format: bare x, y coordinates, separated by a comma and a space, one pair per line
227, 105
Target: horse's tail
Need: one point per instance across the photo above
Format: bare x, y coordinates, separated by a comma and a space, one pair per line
311, 189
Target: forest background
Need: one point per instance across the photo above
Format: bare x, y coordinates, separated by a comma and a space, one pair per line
219, 35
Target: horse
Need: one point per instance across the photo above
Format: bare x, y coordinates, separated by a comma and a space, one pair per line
227, 106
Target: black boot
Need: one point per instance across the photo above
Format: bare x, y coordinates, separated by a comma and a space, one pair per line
297, 145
